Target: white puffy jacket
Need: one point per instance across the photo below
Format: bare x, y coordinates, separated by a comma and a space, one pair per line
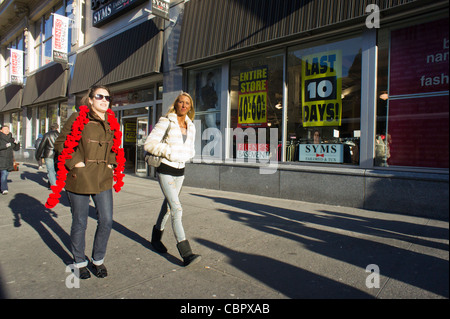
174, 152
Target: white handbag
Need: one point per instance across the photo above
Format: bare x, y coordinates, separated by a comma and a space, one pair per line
154, 160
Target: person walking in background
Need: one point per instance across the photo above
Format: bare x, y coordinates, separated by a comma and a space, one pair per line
46, 150
7, 147
89, 144
36, 146
177, 148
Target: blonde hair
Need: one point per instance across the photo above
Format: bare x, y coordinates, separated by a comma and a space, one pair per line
191, 113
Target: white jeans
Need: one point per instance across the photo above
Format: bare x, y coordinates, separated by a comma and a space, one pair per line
171, 188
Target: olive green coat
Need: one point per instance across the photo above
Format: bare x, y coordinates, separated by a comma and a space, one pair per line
94, 150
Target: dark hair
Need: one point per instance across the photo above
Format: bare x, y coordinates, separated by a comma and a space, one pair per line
90, 94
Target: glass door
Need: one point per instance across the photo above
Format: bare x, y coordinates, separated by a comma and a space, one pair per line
129, 143
142, 133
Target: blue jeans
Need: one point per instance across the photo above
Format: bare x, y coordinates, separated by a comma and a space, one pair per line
79, 204
171, 187
4, 179
51, 173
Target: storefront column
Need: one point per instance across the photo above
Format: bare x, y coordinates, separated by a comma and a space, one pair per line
368, 97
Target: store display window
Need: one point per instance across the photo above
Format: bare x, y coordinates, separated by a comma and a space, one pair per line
412, 95
324, 102
205, 87
133, 96
256, 98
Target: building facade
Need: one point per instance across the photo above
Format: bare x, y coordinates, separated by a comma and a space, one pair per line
335, 102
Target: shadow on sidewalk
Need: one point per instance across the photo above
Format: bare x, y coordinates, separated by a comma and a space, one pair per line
31, 211
28, 209
367, 243
40, 177
291, 281
121, 229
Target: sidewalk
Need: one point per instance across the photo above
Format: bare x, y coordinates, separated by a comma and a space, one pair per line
252, 247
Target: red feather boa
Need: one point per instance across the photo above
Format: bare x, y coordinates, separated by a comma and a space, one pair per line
71, 143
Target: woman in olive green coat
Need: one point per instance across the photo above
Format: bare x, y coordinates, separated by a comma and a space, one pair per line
90, 174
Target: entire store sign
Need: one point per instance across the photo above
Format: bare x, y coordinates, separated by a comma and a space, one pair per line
106, 10
321, 89
16, 66
60, 38
252, 107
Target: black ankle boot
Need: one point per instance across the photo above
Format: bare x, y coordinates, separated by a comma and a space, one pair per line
186, 253
83, 273
100, 270
156, 240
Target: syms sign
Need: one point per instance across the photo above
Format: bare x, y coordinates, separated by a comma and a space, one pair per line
104, 11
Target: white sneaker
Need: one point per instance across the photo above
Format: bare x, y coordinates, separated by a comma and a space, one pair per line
5, 192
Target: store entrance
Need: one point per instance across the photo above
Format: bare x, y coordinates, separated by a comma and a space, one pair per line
135, 131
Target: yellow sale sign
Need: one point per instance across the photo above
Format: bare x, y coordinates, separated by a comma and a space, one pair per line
321, 89
252, 106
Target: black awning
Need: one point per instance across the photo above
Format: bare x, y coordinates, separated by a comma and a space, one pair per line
131, 54
215, 28
46, 85
10, 98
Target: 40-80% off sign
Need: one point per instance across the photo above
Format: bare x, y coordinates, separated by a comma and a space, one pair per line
252, 106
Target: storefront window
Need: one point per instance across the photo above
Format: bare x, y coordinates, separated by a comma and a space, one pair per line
134, 96
32, 125
205, 88
136, 111
47, 40
52, 114
43, 32
256, 86
324, 103
15, 130
42, 118
412, 107
18, 44
63, 113
159, 91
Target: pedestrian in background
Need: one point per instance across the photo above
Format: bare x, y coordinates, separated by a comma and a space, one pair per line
36, 146
93, 137
46, 150
7, 147
177, 148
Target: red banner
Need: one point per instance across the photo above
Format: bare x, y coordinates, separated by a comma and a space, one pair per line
419, 59
418, 133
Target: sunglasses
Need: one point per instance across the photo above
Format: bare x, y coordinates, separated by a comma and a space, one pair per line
101, 96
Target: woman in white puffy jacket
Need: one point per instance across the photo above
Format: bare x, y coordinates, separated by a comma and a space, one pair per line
177, 148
